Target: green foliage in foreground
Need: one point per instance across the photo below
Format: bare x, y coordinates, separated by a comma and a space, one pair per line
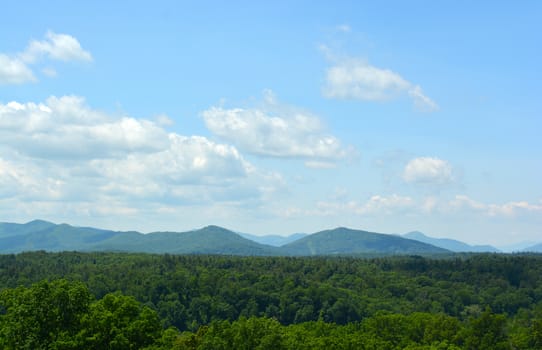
138, 301
63, 315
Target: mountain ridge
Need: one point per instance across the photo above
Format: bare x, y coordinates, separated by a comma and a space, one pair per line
450, 244
326, 243
212, 239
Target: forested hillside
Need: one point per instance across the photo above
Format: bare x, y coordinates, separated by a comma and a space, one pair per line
131, 301
42, 235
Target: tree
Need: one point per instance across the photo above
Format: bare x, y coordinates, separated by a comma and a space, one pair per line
119, 322
46, 315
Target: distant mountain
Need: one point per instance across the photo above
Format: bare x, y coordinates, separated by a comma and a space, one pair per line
537, 248
347, 241
274, 240
449, 244
43, 235
517, 247
10, 229
208, 240
50, 237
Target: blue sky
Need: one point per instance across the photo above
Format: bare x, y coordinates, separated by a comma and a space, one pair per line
274, 117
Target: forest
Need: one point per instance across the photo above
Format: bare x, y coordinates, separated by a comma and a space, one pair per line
74, 300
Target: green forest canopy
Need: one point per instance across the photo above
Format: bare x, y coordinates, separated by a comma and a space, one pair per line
132, 301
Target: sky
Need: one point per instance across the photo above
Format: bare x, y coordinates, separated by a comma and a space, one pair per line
274, 117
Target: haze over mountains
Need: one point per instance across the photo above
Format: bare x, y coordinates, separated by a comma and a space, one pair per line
450, 244
43, 235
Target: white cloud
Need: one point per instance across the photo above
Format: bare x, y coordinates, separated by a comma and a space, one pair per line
422, 102
26, 180
61, 47
356, 79
193, 160
63, 155
463, 201
66, 128
508, 209
428, 170
14, 71
513, 208
163, 120
276, 131
375, 205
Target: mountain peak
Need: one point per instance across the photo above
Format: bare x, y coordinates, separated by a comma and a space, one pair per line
39, 222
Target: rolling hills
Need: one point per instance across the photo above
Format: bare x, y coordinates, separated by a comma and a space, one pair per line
51, 237
43, 235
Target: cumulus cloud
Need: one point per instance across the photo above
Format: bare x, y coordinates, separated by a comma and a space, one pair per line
15, 69
276, 131
61, 47
27, 181
63, 154
193, 160
428, 170
66, 128
356, 79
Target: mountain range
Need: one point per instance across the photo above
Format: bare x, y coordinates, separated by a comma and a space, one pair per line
43, 235
450, 244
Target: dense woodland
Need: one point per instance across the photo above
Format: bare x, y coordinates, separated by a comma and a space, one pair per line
134, 301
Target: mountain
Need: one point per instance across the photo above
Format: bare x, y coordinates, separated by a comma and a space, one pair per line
449, 244
208, 240
10, 229
537, 248
51, 237
48, 236
347, 241
43, 235
274, 240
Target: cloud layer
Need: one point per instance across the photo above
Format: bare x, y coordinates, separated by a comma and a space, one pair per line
62, 151
394, 205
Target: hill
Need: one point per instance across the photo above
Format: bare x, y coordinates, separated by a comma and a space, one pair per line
347, 241
449, 244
